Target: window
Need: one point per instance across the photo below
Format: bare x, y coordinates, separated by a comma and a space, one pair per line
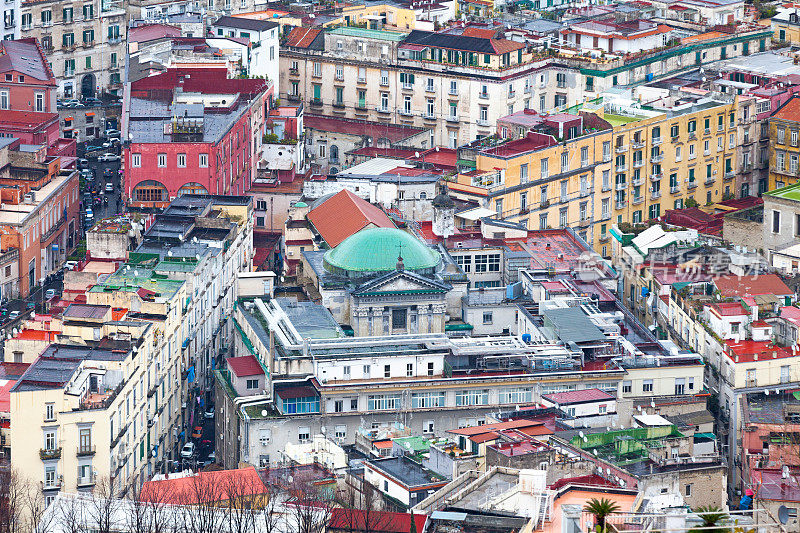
85, 440
487, 317
688, 490
427, 400
562, 217
780, 161
387, 371
564, 162
366, 370
162, 160
543, 164
428, 427
383, 402
88, 11
181, 160
4, 100
523, 173
680, 386
647, 385
472, 397
776, 221
252, 384
626, 386
430, 369
515, 395
50, 440
47, 17
317, 69
39, 102
409, 369
384, 77
49, 409
487, 263
303, 433
203, 161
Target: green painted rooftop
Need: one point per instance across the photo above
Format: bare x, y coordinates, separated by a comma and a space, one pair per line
620, 120
370, 34
377, 250
786, 193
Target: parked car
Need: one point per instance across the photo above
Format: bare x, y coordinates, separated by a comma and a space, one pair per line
112, 133
108, 156
187, 452
109, 187
83, 163
13, 315
49, 293
90, 101
209, 414
69, 265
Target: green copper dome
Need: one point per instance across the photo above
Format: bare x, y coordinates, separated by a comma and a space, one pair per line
377, 250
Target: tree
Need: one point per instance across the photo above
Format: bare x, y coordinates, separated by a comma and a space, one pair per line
600, 508
710, 515
10, 500
102, 506
309, 508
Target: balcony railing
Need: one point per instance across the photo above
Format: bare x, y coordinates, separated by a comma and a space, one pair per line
637, 145
637, 200
84, 451
47, 454
729, 175
54, 484
656, 141
674, 189
655, 195
637, 181
657, 158
691, 185
485, 96
621, 186
451, 118
50, 232
84, 481
621, 148
315, 102
620, 204
638, 163
656, 177
621, 168
482, 122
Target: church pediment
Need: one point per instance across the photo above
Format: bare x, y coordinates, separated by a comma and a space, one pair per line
401, 282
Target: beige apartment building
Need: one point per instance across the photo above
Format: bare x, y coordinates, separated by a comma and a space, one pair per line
456, 86
83, 40
103, 404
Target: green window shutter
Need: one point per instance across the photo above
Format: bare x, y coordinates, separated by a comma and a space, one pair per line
487, 58
411, 79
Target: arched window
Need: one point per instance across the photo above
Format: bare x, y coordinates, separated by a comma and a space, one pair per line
334, 153
150, 191
192, 188
423, 196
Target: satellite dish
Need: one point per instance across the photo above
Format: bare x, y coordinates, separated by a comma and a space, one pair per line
652, 404
766, 392
585, 439
263, 412
437, 148
783, 514
594, 451
580, 433
416, 154
322, 429
785, 472
169, 253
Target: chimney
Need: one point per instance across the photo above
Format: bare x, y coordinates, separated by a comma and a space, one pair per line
755, 357
736, 358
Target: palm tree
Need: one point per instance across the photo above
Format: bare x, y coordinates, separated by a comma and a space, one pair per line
600, 508
710, 515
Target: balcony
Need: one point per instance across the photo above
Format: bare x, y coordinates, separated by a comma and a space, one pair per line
68, 46
621, 148
621, 186
294, 72
606, 158
383, 110
293, 97
637, 145
86, 481
315, 102
427, 116
637, 181
484, 96
638, 163
656, 177
691, 185
408, 87
675, 189
655, 195
621, 168
86, 451
361, 81
544, 204
53, 229
451, 118
405, 112
584, 193
482, 122
710, 181
620, 204
338, 105
605, 188
452, 92
656, 141
692, 136
729, 175
707, 131
88, 44
584, 222
512, 94
637, 200
361, 106
428, 88
657, 158
54, 484
49, 454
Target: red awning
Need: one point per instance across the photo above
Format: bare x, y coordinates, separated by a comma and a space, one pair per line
67, 118
90, 113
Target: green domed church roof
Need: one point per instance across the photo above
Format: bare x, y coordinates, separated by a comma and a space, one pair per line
377, 249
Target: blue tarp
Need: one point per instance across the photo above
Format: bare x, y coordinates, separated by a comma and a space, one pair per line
190, 375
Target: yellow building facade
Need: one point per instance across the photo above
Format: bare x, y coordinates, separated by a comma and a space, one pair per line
784, 145
647, 162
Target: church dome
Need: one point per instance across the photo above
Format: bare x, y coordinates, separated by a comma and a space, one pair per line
377, 249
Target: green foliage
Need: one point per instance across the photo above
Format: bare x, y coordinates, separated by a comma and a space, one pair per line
691, 202
601, 508
711, 515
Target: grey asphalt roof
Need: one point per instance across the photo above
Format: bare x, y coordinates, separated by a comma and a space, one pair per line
245, 23
572, 325
148, 118
406, 471
24, 58
58, 363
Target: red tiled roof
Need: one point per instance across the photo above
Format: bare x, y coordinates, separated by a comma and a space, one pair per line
790, 313
26, 118
204, 487
150, 32
728, 309
393, 132
200, 80
245, 366
731, 286
296, 392
483, 33
747, 350
578, 396
37, 335
504, 46
301, 37
344, 214
469, 189
592, 480
379, 521
5, 395
789, 111
383, 444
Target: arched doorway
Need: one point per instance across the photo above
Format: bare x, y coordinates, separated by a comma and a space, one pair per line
192, 188
150, 191
88, 86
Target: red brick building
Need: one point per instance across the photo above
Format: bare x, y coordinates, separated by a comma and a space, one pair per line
192, 131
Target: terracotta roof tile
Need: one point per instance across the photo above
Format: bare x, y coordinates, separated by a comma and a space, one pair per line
578, 396
301, 37
379, 521
245, 366
345, 214
483, 33
184, 490
789, 111
731, 286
